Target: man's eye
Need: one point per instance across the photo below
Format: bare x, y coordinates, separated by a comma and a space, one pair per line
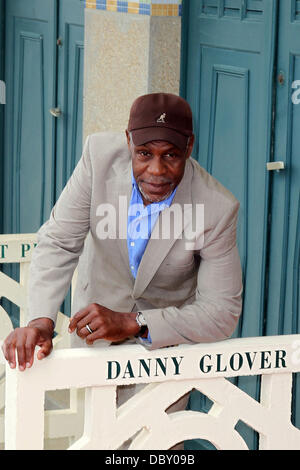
171, 155
143, 153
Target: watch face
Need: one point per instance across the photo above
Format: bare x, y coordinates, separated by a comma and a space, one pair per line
142, 319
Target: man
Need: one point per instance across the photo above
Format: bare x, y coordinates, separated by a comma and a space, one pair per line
132, 285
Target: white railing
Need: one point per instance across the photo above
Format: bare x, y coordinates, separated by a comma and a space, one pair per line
168, 374
17, 248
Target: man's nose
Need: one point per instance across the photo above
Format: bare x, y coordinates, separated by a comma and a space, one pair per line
156, 167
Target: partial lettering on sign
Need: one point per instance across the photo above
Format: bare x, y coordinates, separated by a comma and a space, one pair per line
237, 361
16, 251
150, 368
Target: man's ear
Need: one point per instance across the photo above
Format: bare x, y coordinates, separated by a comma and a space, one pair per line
190, 146
128, 137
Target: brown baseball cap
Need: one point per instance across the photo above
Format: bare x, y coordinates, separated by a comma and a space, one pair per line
161, 116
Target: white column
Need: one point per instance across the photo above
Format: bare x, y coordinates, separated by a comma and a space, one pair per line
126, 55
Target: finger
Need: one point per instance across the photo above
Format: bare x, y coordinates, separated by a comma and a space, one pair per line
10, 355
3, 347
21, 353
87, 320
45, 350
98, 334
29, 350
77, 317
84, 332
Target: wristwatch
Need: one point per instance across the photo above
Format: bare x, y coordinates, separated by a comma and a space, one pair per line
141, 322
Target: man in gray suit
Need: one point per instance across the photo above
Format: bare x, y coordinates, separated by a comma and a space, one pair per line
136, 283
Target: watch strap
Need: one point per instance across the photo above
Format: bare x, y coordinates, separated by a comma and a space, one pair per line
142, 324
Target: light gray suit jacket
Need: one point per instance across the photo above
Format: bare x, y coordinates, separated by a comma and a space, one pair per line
186, 296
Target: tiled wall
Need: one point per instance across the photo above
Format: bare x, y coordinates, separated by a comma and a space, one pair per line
142, 7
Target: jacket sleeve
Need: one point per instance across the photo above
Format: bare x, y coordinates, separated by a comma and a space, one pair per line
214, 314
60, 243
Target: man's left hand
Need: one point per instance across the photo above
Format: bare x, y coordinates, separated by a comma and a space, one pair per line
104, 324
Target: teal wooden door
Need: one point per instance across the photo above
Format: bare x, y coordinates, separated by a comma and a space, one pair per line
69, 89
229, 73
69, 97
30, 75
233, 50
283, 305
43, 71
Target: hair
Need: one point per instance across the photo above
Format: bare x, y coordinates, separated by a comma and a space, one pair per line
131, 140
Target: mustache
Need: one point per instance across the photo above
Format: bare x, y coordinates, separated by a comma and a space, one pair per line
157, 181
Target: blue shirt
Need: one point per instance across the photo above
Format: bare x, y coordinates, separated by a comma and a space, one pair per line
140, 223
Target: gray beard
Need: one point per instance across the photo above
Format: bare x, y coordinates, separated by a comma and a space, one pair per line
147, 198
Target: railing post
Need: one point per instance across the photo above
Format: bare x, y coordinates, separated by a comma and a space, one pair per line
24, 423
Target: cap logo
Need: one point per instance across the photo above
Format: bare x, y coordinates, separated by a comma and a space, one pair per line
162, 118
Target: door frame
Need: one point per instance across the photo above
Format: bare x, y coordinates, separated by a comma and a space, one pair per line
272, 97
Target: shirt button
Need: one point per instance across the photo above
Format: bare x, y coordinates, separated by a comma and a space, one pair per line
132, 244
132, 267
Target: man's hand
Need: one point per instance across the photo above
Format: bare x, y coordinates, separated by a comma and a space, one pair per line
39, 332
104, 323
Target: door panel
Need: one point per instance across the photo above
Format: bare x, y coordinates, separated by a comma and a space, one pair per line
230, 54
29, 149
40, 150
69, 89
29, 130
283, 308
69, 97
284, 241
230, 58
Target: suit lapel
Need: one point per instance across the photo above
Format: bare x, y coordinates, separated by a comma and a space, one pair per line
157, 249
119, 189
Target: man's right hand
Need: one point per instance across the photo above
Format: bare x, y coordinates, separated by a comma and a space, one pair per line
39, 332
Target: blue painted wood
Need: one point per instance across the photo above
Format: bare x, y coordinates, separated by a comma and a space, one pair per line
69, 89
69, 96
2, 51
29, 130
283, 308
2, 77
29, 137
40, 150
229, 50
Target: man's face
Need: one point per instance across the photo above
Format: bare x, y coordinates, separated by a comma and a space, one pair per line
158, 167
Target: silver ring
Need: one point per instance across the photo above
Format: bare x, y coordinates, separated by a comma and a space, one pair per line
89, 329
